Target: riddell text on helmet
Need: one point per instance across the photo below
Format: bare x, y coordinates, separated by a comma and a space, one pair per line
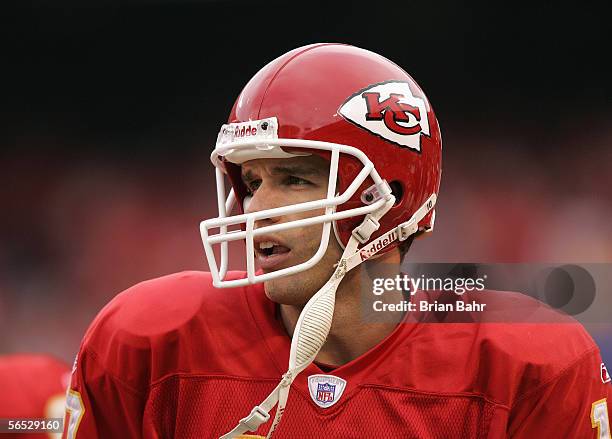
245, 131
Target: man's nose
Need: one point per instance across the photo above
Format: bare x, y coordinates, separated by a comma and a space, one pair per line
265, 197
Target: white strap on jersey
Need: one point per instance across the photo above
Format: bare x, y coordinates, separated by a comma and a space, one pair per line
315, 320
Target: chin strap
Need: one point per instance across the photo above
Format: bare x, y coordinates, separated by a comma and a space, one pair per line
315, 320
400, 233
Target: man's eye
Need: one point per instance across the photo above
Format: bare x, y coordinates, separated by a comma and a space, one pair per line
291, 180
253, 185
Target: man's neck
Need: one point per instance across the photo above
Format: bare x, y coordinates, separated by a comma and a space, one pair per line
351, 335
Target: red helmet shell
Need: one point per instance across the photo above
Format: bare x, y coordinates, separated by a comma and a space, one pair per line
305, 88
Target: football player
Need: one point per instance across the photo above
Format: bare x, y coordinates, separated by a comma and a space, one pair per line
32, 386
333, 156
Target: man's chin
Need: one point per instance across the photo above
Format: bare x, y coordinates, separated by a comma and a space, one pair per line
295, 290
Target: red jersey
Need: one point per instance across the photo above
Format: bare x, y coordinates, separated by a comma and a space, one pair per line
32, 386
176, 358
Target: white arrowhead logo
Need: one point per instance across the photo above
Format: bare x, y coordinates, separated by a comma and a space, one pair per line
391, 111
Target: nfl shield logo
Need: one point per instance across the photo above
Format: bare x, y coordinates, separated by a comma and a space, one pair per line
325, 390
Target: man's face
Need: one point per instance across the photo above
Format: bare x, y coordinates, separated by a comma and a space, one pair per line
280, 182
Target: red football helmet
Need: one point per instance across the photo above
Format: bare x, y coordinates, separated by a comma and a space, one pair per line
358, 109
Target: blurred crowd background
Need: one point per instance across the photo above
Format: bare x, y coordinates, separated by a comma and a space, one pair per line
109, 113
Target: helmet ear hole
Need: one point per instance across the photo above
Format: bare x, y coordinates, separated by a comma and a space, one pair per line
397, 190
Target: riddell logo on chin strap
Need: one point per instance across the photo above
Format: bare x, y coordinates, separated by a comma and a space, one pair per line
376, 246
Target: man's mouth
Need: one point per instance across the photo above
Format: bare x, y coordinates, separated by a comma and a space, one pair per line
270, 254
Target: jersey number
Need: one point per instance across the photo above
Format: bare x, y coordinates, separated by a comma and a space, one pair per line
75, 410
600, 419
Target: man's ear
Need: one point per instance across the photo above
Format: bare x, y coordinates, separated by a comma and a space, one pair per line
404, 246
384, 265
